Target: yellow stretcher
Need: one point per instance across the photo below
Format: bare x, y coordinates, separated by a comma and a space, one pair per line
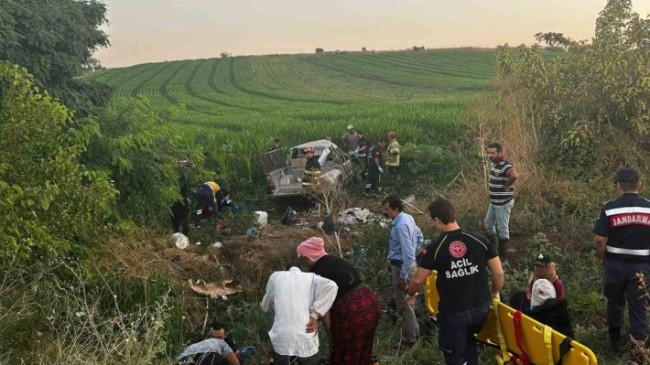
541, 343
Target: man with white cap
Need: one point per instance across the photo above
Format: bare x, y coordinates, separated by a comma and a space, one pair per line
298, 300
350, 141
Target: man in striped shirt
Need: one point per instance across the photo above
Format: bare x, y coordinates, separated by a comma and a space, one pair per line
502, 178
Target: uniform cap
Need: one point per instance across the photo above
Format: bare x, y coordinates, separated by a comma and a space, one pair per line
350, 126
392, 134
627, 175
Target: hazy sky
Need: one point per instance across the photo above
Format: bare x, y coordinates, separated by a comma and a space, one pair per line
158, 30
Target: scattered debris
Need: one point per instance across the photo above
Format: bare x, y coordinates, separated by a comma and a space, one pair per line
251, 231
261, 218
213, 289
217, 244
354, 215
180, 240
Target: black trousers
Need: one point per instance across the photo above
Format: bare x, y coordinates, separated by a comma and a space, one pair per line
622, 286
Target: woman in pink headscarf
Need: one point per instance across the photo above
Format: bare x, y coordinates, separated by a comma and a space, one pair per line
352, 321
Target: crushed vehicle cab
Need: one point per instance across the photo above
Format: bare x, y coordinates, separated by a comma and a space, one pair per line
285, 169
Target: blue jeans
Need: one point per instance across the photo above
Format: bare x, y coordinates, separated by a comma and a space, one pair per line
498, 218
456, 338
621, 286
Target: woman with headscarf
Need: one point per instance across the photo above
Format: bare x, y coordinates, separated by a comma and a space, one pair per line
352, 321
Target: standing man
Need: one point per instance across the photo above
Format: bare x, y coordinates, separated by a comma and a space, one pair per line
299, 300
375, 161
350, 139
393, 161
404, 240
502, 178
462, 260
623, 242
362, 152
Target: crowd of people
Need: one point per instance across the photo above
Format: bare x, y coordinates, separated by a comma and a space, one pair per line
470, 266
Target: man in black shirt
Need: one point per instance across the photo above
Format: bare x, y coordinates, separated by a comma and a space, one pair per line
623, 242
462, 260
375, 169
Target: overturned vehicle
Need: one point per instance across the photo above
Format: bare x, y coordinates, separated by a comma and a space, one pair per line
285, 169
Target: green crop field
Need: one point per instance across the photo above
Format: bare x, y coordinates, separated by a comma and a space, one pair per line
244, 102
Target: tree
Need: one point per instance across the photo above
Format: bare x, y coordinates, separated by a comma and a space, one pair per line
50, 202
55, 40
319, 50
589, 109
225, 55
554, 40
363, 49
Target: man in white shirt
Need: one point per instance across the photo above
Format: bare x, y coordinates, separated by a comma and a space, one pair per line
298, 299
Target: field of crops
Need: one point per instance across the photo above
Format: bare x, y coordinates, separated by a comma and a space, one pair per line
244, 102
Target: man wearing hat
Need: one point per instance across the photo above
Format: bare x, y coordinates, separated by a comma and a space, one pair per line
623, 242
349, 138
392, 160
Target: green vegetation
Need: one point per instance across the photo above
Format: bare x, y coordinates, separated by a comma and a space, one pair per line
234, 107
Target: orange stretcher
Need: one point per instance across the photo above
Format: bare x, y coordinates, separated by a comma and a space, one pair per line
538, 342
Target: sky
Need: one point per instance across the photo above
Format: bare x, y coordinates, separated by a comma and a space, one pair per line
143, 31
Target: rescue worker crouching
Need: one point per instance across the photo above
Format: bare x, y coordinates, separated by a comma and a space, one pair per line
210, 200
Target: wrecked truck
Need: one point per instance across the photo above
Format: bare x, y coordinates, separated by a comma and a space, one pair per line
285, 169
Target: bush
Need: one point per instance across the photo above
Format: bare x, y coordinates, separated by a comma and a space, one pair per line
140, 153
49, 200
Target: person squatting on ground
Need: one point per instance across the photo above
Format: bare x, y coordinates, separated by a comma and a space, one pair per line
375, 170
403, 242
623, 242
502, 179
298, 300
211, 351
462, 260
352, 321
393, 157
547, 308
219, 331
544, 268
210, 200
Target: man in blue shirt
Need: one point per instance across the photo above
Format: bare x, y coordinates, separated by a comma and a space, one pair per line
405, 238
